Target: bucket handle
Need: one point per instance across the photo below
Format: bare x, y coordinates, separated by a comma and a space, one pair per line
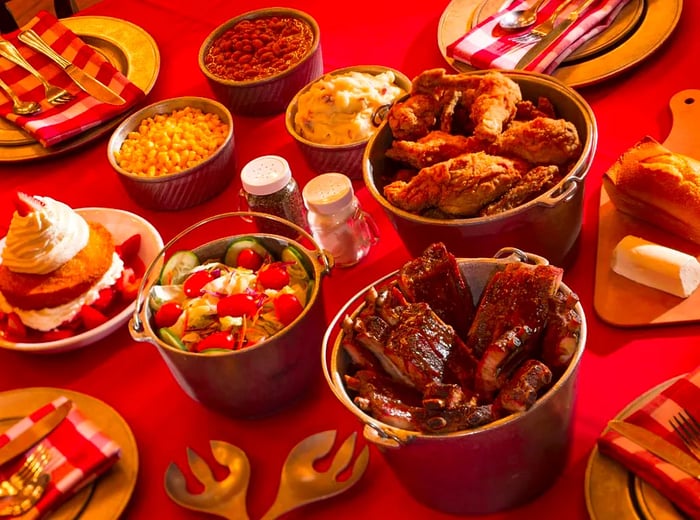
323, 258
511, 254
565, 193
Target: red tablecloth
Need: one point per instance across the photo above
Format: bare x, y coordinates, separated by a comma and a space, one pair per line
618, 365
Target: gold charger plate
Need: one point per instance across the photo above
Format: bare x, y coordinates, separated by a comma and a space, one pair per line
640, 28
106, 498
614, 493
125, 45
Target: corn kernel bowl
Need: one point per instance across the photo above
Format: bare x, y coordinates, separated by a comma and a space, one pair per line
189, 186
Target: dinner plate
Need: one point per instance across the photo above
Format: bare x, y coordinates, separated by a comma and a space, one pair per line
121, 224
128, 47
613, 492
640, 28
106, 498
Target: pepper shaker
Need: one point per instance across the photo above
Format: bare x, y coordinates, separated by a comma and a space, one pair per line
337, 221
268, 187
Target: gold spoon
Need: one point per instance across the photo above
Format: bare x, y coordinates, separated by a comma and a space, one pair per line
19, 107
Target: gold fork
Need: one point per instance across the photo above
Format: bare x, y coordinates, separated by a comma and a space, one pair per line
688, 429
54, 94
32, 467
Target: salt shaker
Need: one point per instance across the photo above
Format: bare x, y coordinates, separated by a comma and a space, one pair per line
268, 187
336, 220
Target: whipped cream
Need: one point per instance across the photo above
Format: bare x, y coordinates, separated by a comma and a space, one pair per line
49, 318
44, 240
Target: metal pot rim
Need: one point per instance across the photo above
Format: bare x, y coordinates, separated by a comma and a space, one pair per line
402, 436
140, 325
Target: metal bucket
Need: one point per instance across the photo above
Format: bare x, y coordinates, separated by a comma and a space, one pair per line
256, 380
484, 470
548, 225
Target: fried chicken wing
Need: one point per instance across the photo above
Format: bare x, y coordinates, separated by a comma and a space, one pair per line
433, 148
458, 187
413, 117
542, 140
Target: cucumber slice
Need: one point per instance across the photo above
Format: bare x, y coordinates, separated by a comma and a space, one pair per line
171, 338
239, 244
178, 267
293, 256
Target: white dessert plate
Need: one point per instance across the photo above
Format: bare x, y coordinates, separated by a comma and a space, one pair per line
122, 224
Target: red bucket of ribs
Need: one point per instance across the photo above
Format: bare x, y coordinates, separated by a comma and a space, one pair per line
484, 160
463, 372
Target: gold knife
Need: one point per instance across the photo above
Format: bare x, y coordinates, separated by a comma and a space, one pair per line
541, 45
658, 446
86, 82
35, 433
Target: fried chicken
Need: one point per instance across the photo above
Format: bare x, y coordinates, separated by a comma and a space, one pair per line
492, 98
536, 181
458, 187
542, 140
414, 117
435, 147
494, 105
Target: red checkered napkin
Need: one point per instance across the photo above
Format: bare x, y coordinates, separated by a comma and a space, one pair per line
676, 485
55, 124
487, 46
79, 453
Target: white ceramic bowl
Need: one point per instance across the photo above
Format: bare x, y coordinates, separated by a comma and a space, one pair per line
122, 225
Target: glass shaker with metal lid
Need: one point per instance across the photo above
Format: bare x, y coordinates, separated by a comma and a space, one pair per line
268, 187
336, 220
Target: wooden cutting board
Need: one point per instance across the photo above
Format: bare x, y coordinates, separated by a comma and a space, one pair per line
618, 300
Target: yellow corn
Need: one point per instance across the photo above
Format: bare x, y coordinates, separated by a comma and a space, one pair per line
168, 143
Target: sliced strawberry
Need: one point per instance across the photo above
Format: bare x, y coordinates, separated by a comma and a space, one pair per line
128, 284
91, 317
26, 204
15, 328
129, 249
105, 298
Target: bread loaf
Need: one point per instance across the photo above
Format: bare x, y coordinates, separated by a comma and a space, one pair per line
656, 185
656, 266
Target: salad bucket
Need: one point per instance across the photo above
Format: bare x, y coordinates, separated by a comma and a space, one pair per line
486, 469
255, 380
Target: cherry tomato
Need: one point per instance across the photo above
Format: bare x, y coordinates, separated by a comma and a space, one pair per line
275, 276
249, 259
221, 339
92, 317
168, 314
240, 304
287, 308
195, 282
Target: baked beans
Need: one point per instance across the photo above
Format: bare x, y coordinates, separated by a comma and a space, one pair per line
259, 48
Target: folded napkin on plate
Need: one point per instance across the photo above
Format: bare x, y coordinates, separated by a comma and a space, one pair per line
55, 124
488, 46
676, 485
79, 452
